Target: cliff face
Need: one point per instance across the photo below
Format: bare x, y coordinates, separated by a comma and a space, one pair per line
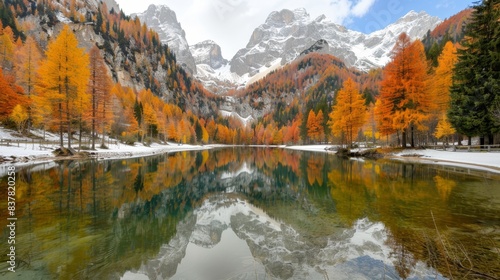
164, 21
135, 57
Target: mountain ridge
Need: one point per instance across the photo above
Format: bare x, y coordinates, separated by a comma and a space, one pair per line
164, 21
283, 36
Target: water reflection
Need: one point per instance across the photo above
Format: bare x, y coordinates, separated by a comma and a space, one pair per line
254, 213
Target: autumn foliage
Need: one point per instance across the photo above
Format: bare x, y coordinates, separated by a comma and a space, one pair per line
404, 101
59, 84
349, 113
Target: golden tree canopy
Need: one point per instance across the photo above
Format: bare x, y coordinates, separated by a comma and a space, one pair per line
349, 113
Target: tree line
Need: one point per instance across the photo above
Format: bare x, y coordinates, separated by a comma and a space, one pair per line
422, 96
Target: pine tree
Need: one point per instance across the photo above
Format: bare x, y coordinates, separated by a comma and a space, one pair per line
476, 80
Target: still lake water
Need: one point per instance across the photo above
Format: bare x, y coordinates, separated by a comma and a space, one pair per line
252, 214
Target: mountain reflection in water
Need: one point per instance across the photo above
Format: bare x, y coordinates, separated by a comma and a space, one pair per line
229, 238
255, 214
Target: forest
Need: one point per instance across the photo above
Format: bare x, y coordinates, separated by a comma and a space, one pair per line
442, 88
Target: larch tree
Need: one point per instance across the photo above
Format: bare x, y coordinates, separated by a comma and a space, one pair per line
442, 80
444, 128
313, 126
475, 92
63, 78
7, 47
320, 119
10, 96
403, 89
383, 111
19, 116
349, 113
99, 88
27, 60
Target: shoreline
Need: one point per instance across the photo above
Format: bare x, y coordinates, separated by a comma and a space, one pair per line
23, 156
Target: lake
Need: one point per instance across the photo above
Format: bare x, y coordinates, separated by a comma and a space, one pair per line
252, 213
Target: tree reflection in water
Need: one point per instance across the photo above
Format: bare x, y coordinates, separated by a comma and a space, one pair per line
300, 215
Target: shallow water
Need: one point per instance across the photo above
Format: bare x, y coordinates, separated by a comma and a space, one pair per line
252, 214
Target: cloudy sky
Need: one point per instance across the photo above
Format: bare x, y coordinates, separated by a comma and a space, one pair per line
230, 23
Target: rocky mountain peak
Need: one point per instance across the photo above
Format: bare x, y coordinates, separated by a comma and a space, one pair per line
286, 17
286, 34
162, 14
164, 21
321, 46
208, 52
111, 4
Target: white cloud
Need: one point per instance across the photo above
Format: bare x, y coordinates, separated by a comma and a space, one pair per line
362, 7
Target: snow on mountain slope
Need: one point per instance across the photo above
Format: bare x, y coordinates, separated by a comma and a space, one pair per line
282, 37
227, 235
285, 34
164, 21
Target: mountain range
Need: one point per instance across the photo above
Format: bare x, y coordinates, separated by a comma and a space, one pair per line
283, 37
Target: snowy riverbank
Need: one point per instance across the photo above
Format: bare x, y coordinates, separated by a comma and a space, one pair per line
487, 161
28, 153
24, 151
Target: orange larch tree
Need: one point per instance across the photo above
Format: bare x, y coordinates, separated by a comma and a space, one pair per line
63, 78
10, 96
28, 57
314, 126
99, 88
6, 48
403, 90
442, 80
349, 113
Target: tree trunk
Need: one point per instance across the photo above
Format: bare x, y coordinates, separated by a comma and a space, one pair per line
80, 135
69, 123
93, 119
103, 125
61, 143
481, 141
412, 137
403, 139
469, 140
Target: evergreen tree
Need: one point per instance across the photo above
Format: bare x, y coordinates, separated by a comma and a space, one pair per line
476, 89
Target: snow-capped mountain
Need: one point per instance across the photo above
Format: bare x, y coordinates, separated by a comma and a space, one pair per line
164, 21
286, 33
284, 36
112, 5
209, 53
227, 235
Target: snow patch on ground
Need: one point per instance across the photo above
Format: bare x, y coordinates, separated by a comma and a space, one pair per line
27, 151
487, 161
310, 148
